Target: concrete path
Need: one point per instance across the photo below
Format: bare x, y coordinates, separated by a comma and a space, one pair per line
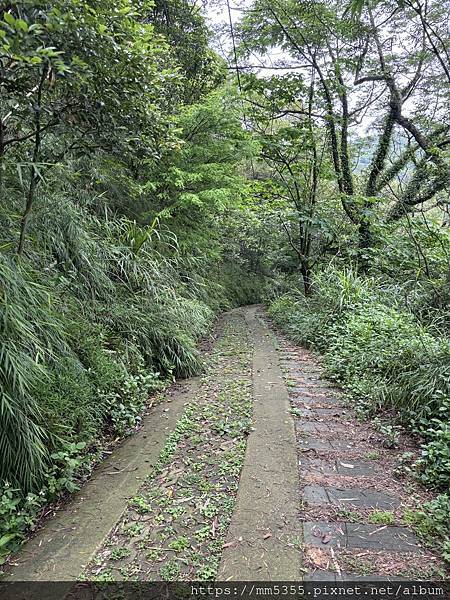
67, 542
263, 537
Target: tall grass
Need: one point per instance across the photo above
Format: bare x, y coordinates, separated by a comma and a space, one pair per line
115, 301
30, 335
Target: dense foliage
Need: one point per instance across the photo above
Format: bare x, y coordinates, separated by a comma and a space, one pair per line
144, 189
120, 192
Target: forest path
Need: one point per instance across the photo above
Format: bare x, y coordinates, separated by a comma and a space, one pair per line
162, 506
255, 471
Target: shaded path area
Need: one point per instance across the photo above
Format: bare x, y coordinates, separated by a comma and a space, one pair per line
265, 530
257, 470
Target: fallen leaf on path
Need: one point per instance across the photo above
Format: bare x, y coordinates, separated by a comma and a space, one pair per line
317, 533
215, 523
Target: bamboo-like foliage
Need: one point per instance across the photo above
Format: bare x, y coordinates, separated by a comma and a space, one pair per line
30, 334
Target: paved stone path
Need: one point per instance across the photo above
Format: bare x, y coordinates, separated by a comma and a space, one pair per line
339, 482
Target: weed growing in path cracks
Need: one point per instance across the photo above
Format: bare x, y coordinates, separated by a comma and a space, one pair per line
175, 528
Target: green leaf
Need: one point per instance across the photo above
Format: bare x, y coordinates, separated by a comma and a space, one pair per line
9, 19
21, 25
5, 539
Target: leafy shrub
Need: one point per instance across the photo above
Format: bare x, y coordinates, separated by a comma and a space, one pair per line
19, 512
434, 463
433, 520
124, 406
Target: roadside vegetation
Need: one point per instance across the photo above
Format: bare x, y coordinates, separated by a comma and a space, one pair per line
145, 187
121, 199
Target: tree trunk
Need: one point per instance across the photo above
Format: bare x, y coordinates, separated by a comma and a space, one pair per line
33, 170
306, 275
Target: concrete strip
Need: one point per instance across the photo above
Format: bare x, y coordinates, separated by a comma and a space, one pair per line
265, 522
67, 542
352, 468
351, 578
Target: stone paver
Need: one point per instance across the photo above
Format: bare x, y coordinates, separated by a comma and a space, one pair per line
304, 371
312, 444
316, 494
330, 444
313, 427
357, 535
314, 397
337, 467
381, 537
355, 468
363, 498
308, 379
322, 444
308, 385
321, 413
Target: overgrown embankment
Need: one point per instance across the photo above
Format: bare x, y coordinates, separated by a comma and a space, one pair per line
81, 372
388, 362
122, 203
